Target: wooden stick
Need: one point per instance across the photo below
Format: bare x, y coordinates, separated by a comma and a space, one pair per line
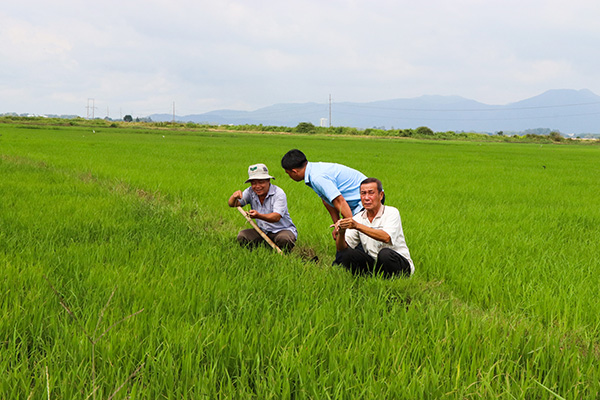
257, 229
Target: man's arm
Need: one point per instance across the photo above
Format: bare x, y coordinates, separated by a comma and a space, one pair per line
340, 205
234, 200
335, 214
340, 240
270, 217
377, 234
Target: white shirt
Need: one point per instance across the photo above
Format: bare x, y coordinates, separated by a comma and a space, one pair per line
388, 220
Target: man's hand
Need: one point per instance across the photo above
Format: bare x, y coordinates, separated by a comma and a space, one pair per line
336, 230
341, 225
346, 223
235, 198
253, 214
339, 234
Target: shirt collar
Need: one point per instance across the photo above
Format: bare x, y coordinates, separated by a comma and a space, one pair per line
307, 173
379, 213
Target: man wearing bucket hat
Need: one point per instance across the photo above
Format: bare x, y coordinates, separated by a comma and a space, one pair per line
268, 207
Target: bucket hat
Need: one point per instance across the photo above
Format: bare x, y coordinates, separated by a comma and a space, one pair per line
258, 171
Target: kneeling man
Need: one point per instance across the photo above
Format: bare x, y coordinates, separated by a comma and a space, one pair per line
268, 207
373, 241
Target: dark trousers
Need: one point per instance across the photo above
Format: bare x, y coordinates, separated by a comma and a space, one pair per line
285, 240
388, 262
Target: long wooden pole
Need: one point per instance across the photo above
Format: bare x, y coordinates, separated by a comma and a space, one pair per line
257, 229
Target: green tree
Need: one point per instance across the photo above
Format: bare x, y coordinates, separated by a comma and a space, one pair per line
425, 131
127, 118
305, 127
555, 136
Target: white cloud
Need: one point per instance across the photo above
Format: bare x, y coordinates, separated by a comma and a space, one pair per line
143, 55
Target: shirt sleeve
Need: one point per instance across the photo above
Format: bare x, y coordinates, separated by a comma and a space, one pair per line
280, 203
352, 238
245, 197
391, 224
325, 188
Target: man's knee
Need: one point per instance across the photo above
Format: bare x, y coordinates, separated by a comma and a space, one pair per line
247, 237
285, 240
390, 262
357, 261
343, 257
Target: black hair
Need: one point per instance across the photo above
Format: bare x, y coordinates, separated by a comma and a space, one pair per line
293, 159
373, 180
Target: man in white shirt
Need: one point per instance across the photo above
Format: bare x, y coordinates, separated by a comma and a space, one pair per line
378, 229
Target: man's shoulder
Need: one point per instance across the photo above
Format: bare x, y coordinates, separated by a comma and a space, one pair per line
276, 189
390, 212
325, 168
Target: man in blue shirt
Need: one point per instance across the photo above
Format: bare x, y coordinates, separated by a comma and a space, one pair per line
338, 186
268, 207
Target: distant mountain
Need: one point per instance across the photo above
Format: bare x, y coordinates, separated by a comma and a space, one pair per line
568, 111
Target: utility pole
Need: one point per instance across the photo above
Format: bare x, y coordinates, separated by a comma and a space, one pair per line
93, 107
330, 110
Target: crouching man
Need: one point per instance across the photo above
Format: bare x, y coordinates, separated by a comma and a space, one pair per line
268, 207
373, 241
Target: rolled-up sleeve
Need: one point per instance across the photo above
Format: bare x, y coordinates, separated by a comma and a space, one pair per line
392, 224
280, 203
352, 238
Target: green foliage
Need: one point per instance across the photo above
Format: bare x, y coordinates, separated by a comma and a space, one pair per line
532, 135
484, 316
424, 131
128, 118
555, 136
305, 127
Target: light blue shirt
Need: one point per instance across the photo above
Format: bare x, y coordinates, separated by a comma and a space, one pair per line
329, 180
275, 201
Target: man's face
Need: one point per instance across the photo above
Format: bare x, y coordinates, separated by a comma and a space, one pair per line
260, 186
294, 174
370, 196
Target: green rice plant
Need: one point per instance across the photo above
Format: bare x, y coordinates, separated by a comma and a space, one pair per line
94, 338
504, 237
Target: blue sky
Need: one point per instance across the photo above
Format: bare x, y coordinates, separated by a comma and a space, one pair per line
139, 57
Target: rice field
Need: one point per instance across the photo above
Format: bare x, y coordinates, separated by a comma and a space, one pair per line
120, 276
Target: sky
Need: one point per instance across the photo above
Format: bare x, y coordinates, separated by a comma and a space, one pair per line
140, 57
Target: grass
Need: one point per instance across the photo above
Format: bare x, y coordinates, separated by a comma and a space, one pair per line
502, 305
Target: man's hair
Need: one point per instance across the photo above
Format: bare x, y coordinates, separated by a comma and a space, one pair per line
373, 180
293, 159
